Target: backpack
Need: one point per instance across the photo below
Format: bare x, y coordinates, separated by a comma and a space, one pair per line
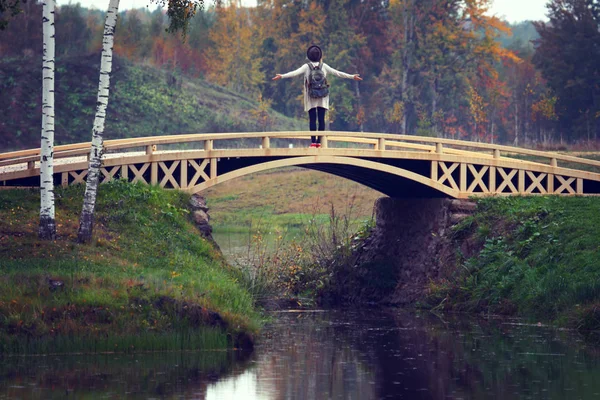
317, 83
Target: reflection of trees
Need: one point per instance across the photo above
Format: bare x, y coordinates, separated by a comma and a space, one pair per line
481, 359
135, 376
308, 357
372, 355
338, 355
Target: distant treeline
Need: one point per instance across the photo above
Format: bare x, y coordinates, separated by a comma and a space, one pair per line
430, 67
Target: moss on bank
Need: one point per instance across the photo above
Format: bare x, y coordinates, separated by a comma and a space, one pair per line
531, 256
149, 281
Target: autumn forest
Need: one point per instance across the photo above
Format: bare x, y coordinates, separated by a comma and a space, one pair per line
435, 67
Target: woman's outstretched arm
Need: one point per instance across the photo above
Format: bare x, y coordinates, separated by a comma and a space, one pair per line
341, 74
292, 74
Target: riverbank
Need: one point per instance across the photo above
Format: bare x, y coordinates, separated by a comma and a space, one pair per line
534, 257
537, 257
149, 281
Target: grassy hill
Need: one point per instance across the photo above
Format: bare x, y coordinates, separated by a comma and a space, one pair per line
149, 281
143, 101
286, 198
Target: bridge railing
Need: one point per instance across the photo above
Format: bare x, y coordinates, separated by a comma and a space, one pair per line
377, 141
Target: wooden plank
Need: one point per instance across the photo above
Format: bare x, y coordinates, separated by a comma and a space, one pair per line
168, 174
565, 184
138, 174
299, 161
478, 179
213, 168
507, 180
199, 171
78, 177
447, 175
463, 177
183, 174
536, 183
153, 173
391, 154
521, 181
108, 175
266, 143
188, 138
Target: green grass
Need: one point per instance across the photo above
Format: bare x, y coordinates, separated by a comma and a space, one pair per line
286, 199
147, 273
539, 256
142, 103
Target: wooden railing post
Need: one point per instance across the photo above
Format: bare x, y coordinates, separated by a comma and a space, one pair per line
550, 181
266, 142
30, 164
213, 168
381, 144
439, 148
324, 142
496, 153
150, 149
208, 145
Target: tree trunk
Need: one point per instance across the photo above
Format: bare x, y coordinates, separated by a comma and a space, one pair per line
359, 103
434, 101
86, 221
527, 116
516, 142
409, 20
47, 228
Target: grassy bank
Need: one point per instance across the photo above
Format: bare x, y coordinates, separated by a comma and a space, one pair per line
149, 281
532, 256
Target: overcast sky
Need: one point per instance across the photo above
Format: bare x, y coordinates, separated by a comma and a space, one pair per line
511, 10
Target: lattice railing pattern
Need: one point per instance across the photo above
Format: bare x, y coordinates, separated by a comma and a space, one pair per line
178, 174
458, 168
476, 179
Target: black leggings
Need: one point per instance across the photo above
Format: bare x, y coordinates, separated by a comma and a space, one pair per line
312, 117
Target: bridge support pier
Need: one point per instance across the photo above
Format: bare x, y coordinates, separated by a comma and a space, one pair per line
410, 234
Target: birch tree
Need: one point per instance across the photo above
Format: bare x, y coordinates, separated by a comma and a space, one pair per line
86, 220
179, 12
47, 228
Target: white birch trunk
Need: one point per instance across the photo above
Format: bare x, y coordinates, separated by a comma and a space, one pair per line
47, 228
86, 220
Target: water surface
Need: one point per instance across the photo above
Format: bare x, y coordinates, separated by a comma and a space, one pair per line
335, 355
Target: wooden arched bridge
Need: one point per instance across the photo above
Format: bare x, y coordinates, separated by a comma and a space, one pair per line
396, 165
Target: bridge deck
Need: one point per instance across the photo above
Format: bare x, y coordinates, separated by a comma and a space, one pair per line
448, 167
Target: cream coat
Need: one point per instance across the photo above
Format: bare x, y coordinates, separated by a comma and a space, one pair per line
304, 70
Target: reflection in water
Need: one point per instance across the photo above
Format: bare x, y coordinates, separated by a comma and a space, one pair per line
116, 376
397, 355
335, 355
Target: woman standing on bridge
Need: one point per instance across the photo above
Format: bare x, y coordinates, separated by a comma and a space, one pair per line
316, 101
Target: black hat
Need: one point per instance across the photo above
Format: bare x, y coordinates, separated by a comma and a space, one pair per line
314, 53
